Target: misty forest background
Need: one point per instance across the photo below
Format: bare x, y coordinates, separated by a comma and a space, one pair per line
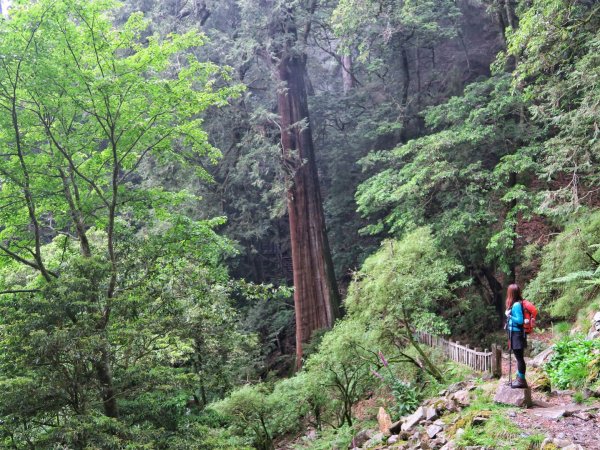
169, 169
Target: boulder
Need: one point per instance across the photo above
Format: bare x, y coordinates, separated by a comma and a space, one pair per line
384, 420
561, 443
450, 406
360, 438
456, 387
413, 419
462, 397
480, 420
374, 441
589, 393
433, 430
542, 358
573, 447
553, 413
393, 439
509, 396
431, 414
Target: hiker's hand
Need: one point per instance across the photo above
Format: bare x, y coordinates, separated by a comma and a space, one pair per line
507, 312
526, 321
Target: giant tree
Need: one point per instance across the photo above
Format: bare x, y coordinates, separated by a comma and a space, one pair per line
285, 31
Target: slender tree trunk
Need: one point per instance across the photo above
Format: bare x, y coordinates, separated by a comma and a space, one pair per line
405, 75
511, 16
104, 373
316, 296
511, 276
347, 78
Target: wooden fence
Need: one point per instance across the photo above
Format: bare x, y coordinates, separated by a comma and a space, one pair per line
483, 361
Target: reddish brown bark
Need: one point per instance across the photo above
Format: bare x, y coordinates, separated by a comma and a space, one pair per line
316, 296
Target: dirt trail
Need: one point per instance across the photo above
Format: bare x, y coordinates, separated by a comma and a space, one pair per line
557, 417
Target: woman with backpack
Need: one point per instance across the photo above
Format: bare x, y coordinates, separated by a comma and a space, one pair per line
517, 339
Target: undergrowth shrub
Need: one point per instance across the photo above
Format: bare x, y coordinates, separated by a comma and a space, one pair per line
341, 368
253, 414
575, 362
569, 277
402, 288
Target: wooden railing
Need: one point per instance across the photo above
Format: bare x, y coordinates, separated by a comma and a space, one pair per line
481, 360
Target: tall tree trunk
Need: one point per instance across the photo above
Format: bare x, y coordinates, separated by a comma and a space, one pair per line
405, 76
347, 78
104, 373
316, 296
511, 16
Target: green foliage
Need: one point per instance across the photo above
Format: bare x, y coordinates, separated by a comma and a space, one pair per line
363, 23
557, 46
574, 363
332, 438
406, 396
403, 284
259, 413
249, 411
116, 318
457, 179
569, 276
470, 318
340, 368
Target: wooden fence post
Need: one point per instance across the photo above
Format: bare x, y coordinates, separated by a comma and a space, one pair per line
496, 361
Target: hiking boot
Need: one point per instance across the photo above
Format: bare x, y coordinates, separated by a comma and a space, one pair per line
519, 383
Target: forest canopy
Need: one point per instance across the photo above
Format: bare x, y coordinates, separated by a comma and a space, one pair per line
223, 222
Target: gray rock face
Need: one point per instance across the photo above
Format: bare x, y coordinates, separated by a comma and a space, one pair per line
542, 358
433, 430
393, 439
573, 447
462, 397
509, 396
431, 414
413, 419
595, 330
360, 438
552, 413
374, 441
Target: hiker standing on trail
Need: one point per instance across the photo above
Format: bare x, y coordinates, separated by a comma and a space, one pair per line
517, 339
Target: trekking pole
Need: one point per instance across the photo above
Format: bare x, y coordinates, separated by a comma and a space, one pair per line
509, 355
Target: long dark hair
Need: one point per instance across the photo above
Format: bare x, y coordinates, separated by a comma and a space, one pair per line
513, 294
